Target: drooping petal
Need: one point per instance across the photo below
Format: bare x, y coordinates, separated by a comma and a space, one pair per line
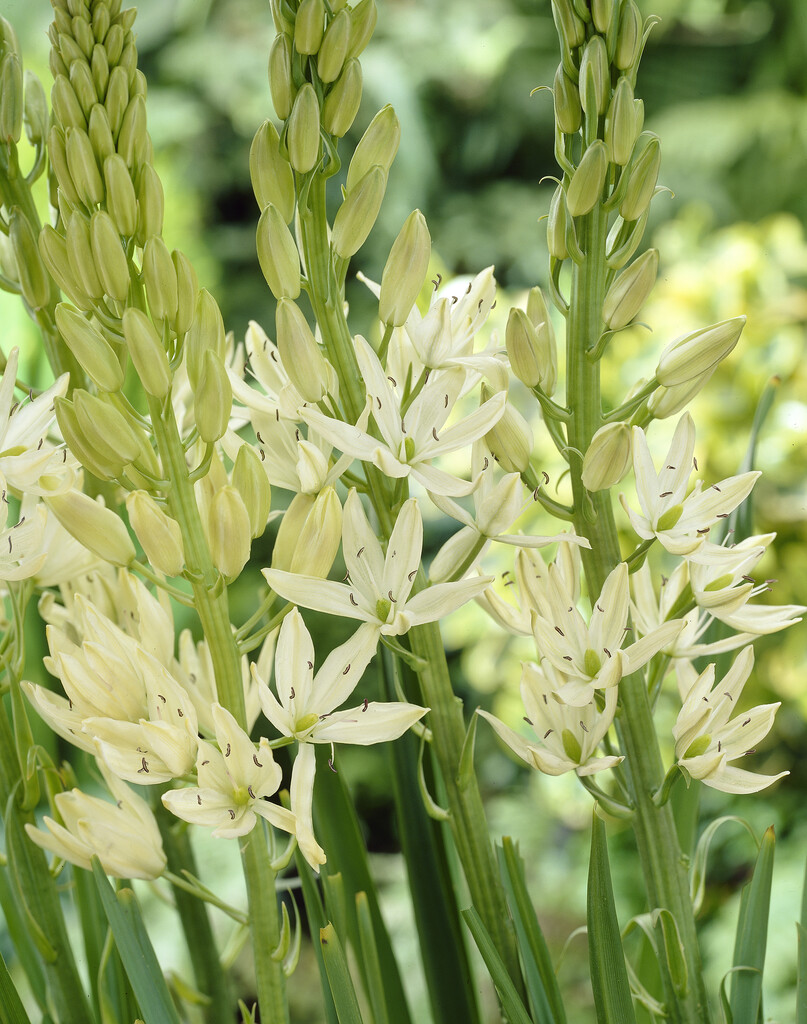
368, 723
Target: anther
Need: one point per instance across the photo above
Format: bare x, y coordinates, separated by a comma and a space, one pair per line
583, 725
559, 630
258, 763
548, 732
411, 575
353, 600
346, 669
251, 792
144, 767
434, 434
227, 751
258, 435
231, 812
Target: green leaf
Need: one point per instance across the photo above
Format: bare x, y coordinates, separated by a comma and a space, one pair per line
752, 937
315, 913
21, 940
12, 1010
511, 1001
673, 950
136, 951
609, 976
546, 1001
697, 886
341, 984
801, 970
369, 954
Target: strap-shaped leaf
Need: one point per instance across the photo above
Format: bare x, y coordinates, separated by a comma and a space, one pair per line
315, 913
12, 1010
339, 980
752, 937
546, 1001
511, 1001
21, 940
609, 976
372, 968
136, 952
697, 886
801, 968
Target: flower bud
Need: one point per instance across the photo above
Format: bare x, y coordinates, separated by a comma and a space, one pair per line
620, 124
113, 43
99, 68
229, 532
187, 292
602, 12
53, 249
629, 38
160, 279
79, 252
146, 352
57, 153
277, 254
117, 99
31, 273
378, 145
212, 398
608, 458
363, 18
299, 352
510, 440
585, 188
342, 102
333, 51
309, 535
205, 332
109, 255
11, 98
303, 133
159, 535
627, 294
281, 84
309, 26
250, 480
527, 357
556, 225
355, 217
270, 172
405, 270
121, 202
150, 205
568, 113
83, 168
666, 402
94, 526
595, 57
694, 354
35, 109
100, 134
90, 348
572, 30
105, 431
67, 420
67, 112
83, 85
132, 137
643, 174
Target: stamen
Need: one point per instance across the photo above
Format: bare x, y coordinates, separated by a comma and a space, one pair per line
258, 763
346, 669
365, 704
559, 630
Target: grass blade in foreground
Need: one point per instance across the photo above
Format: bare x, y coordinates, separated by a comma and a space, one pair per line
344, 995
752, 937
511, 1001
11, 1009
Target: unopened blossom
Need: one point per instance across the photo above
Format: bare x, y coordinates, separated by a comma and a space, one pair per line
379, 585
679, 521
123, 835
235, 780
568, 737
306, 703
710, 732
410, 440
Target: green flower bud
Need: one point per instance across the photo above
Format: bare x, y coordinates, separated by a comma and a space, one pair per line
83, 167
56, 64
113, 44
83, 85
666, 402
250, 480
629, 38
378, 145
281, 84
31, 273
187, 292
8, 38
556, 225
121, 202
363, 18
620, 124
342, 102
109, 255
693, 354
405, 270
627, 294
159, 535
568, 112
57, 153
90, 348
100, 22
299, 352
643, 171
77, 443
53, 249
212, 398
79, 251
205, 332
303, 133
333, 51
608, 457
638, 109
309, 26
356, 216
11, 98
67, 112
150, 205
105, 431
131, 141
117, 99
147, 353
229, 532
571, 28
309, 535
270, 172
99, 68
602, 12
530, 350
277, 254
35, 109
595, 57
510, 440
585, 188
94, 526
160, 279
83, 34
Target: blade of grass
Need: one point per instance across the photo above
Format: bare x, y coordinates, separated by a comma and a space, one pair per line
511, 1001
752, 937
12, 1010
316, 922
369, 954
341, 983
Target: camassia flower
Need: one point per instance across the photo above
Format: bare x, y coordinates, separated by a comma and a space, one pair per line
305, 709
379, 585
22, 551
707, 737
568, 736
679, 521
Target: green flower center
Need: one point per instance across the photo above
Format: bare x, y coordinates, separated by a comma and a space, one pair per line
571, 746
409, 449
382, 608
698, 746
670, 517
720, 583
305, 723
591, 663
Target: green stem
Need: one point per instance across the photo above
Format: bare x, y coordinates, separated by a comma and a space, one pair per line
264, 926
663, 863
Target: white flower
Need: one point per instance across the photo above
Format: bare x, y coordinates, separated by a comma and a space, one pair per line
707, 738
569, 736
379, 585
22, 548
678, 521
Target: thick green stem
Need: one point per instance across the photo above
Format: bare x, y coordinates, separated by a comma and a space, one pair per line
264, 926
663, 863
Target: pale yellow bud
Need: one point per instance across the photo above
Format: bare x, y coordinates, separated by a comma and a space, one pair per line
100, 134
79, 252
377, 146
363, 18
627, 294
159, 535
277, 254
117, 99
299, 352
121, 201
146, 352
568, 112
643, 171
585, 188
557, 225
187, 292
666, 402
333, 51
510, 440
96, 527
109, 255
405, 270
523, 348
281, 84
67, 110
66, 417
309, 535
83, 167
303, 130
229, 532
90, 348
629, 38
355, 217
133, 135
694, 354
31, 273
250, 480
150, 205
53, 249
57, 154
160, 279
594, 72
608, 458
621, 128
602, 12
212, 398
11, 97
542, 322
99, 66
571, 28
105, 431
309, 26
206, 332
83, 85
270, 172
35, 109
342, 102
